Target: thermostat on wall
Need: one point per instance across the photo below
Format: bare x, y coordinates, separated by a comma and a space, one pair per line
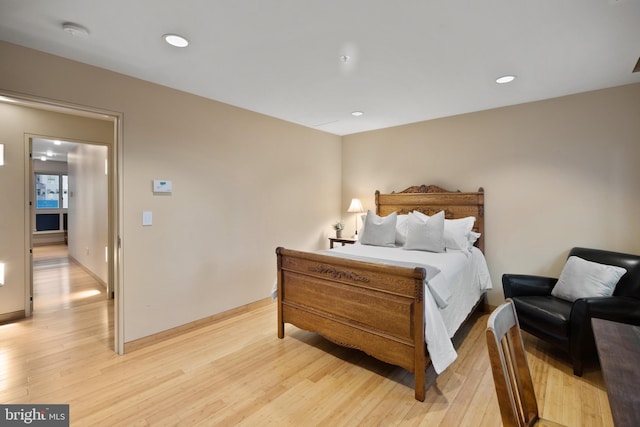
161, 186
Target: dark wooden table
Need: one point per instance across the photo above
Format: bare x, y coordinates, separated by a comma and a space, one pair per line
619, 353
343, 240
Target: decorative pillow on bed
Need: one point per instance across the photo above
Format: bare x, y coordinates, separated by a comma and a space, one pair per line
379, 231
425, 235
363, 218
456, 232
473, 237
581, 279
401, 230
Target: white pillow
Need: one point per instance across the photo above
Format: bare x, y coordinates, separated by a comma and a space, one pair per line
581, 279
379, 231
401, 230
473, 237
456, 232
425, 235
363, 218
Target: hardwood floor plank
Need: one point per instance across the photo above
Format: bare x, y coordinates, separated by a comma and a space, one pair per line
235, 371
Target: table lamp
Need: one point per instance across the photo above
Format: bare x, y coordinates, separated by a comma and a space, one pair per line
356, 207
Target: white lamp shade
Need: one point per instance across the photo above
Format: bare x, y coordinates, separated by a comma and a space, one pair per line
355, 206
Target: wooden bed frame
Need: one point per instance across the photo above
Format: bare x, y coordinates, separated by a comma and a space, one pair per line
376, 308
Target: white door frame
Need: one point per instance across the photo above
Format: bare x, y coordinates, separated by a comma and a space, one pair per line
115, 203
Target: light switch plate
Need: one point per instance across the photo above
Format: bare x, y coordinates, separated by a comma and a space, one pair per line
161, 186
147, 218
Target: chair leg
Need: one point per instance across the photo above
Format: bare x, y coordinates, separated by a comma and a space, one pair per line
578, 368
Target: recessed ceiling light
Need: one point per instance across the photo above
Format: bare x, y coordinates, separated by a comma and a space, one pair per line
75, 29
56, 142
505, 79
43, 158
176, 40
357, 113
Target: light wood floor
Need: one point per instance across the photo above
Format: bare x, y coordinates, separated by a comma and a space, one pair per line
237, 372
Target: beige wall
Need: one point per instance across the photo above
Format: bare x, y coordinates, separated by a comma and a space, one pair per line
88, 208
557, 173
243, 183
17, 125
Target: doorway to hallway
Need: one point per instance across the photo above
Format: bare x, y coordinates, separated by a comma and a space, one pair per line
69, 301
60, 283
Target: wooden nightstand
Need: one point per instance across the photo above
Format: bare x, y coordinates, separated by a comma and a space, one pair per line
344, 241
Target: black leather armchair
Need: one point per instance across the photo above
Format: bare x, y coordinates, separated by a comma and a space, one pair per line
568, 324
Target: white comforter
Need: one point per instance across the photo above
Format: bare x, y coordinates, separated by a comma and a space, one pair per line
455, 280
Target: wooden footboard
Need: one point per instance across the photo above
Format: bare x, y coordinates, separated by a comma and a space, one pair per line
376, 308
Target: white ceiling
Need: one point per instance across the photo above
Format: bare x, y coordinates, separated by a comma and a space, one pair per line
411, 60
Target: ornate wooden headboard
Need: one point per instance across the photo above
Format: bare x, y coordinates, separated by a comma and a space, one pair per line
431, 199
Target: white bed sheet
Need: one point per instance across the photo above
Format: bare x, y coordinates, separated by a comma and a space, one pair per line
454, 283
